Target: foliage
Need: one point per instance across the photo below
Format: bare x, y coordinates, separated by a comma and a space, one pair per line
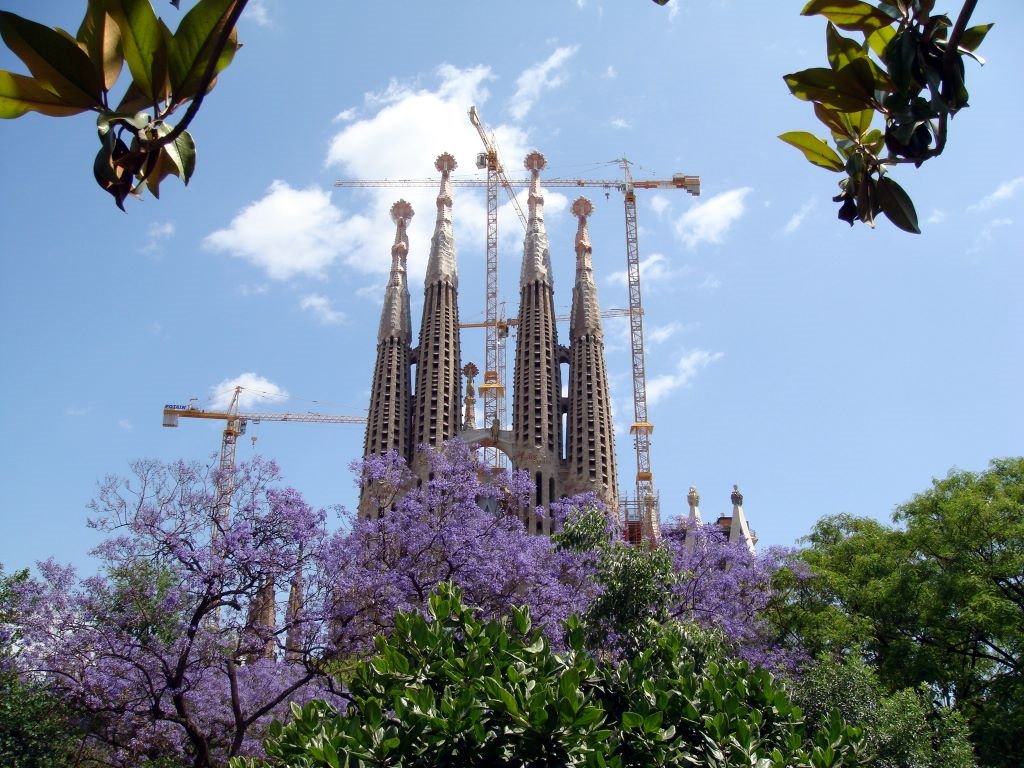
139, 147
35, 731
450, 689
461, 525
633, 583
167, 650
908, 70
939, 603
905, 729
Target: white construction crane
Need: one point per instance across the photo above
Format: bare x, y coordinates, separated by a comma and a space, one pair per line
646, 524
235, 427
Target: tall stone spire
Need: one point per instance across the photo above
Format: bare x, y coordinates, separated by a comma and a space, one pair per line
536, 409
738, 529
437, 408
387, 427
590, 443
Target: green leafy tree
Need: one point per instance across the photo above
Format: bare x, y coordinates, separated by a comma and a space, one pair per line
939, 602
71, 74
449, 689
907, 69
905, 729
36, 729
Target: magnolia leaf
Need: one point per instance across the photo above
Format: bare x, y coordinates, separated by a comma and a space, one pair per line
100, 37
841, 50
54, 60
879, 40
194, 43
138, 121
851, 15
972, 37
144, 46
180, 153
20, 94
839, 90
815, 150
133, 100
897, 205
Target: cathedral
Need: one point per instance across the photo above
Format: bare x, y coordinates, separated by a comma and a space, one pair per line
407, 412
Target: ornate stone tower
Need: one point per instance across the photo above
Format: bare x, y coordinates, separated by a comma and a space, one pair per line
437, 407
590, 443
387, 428
537, 387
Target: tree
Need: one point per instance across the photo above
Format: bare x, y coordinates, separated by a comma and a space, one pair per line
449, 689
939, 602
174, 650
905, 729
909, 70
139, 147
35, 730
461, 525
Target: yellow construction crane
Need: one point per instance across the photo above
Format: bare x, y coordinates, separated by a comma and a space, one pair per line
644, 522
233, 429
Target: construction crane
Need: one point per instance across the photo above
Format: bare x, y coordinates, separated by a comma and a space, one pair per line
644, 522
495, 363
233, 429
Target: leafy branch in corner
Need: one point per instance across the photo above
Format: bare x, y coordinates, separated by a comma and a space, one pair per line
909, 69
71, 74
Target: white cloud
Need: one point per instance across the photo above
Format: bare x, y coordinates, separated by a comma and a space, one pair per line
937, 216
709, 222
659, 204
257, 12
987, 233
74, 410
538, 79
1004, 191
620, 123
290, 232
689, 365
321, 307
798, 218
255, 390
655, 269
710, 283
610, 73
156, 233
125, 424
346, 115
659, 334
377, 147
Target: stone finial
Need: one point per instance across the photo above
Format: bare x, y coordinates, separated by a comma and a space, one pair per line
693, 498
469, 370
582, 209
441, 261
536, 255
736, 496
445, 163
401, 215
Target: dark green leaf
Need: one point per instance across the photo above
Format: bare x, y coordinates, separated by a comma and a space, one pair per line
144, 45
879, 40
53, 59
972, 37
851, 15
839, 90
815, 150
194, 44
20, 94
897, 205
841, 50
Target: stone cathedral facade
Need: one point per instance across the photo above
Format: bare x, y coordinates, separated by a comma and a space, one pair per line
409, 411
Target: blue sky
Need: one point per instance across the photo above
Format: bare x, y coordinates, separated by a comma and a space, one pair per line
822, 369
